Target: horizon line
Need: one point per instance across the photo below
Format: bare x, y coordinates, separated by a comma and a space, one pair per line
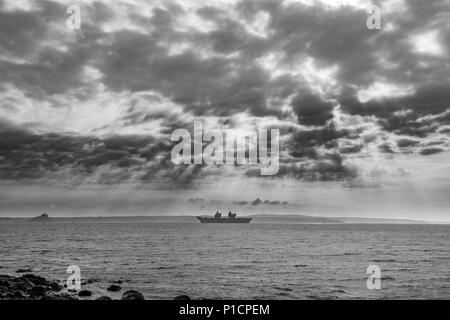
417, 221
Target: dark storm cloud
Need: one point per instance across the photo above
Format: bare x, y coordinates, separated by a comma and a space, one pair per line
327, 136
213, 85
312, 109
217, 72
330, 36
47, 70
329, 167
410, 124
222, 85
335, 37
21, 31
24, 155
136, 61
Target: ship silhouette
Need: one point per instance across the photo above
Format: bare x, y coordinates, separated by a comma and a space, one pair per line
218, 218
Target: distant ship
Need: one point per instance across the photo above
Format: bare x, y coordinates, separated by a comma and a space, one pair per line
218, 219
42, 218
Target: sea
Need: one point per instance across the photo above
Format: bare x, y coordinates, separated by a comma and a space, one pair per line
235, 261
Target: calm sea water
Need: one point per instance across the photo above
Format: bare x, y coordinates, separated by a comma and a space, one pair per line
248, 261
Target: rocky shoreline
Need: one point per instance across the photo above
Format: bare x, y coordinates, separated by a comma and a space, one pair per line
33, 287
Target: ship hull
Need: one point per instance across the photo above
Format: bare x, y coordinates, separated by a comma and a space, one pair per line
223, 220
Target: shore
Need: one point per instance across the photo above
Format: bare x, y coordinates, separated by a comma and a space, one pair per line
34, 287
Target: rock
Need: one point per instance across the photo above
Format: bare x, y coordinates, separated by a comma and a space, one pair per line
26, 286
182, 297
84, 293
103, 298
24, 270
55, 286
37, 291
36, 280
132, 295
23, 286
60, 296
119, 281
114, 288
16, 295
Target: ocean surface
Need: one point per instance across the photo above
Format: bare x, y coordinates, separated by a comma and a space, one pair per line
241, 261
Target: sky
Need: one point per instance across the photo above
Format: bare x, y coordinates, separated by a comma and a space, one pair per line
86, 115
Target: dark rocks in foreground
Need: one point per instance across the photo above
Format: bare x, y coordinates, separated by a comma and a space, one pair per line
38, 291
132, 295
59, 296
33, 287
28, 286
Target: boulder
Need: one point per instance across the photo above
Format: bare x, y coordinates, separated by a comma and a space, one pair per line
54, 285
84, 293
103, 298
132, 295
114, 288
37, 291
35, 280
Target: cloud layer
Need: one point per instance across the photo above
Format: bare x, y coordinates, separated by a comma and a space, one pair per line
98, 105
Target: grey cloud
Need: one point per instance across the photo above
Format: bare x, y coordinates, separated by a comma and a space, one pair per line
327, 136
240, 203
331, 167
258, 202
25, 155
386, 148
228, 81
352, 148
312, 109
404, 143
430, 151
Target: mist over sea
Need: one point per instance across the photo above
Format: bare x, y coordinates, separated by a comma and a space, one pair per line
239, 261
